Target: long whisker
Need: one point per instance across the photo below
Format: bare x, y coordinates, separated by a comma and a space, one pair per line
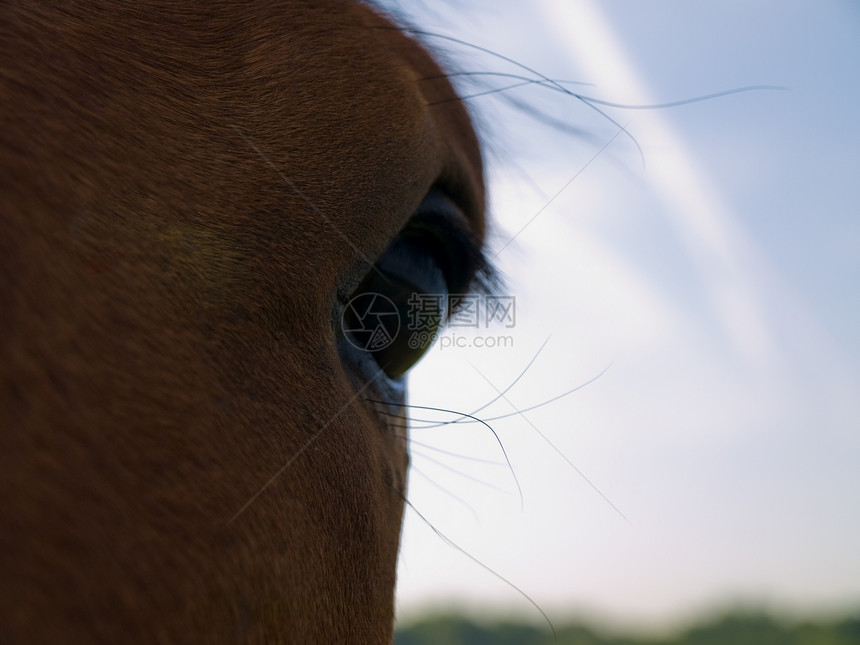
553, 84
516, 380
454, 545
455, 497
468, 418
460, 473
501, 75
493, 90
559, 452
542, 117
427, 446
484, 423
553, 399
530, 70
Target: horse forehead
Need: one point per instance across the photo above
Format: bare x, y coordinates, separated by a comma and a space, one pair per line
367, 112
356, 121
332, 120
330, 91
358, 126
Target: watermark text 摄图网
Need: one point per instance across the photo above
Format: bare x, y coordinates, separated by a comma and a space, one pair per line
468, 311
428, 310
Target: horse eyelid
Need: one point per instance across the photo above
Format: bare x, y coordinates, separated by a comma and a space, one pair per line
439, 222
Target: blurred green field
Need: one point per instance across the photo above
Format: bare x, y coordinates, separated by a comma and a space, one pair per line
736, 628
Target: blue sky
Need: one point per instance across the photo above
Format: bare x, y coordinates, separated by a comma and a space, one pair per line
719, 280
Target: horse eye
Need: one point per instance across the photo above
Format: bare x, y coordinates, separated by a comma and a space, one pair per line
397, 309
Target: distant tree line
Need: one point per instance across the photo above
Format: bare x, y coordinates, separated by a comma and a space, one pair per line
738, 628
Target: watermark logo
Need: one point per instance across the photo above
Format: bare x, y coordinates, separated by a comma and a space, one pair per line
371, 321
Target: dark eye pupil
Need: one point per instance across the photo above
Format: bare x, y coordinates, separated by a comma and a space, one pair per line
398, 308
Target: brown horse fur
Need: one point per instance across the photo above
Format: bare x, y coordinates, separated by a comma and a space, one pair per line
185, 189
